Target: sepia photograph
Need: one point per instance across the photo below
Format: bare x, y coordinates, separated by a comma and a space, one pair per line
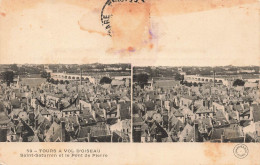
129, 82
196, 104
65, 103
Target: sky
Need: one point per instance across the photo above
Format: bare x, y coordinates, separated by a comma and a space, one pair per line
49, 32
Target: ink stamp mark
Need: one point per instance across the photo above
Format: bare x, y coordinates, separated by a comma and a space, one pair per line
106, 15
241, 151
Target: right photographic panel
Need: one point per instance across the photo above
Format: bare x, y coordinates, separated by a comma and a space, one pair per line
196, 104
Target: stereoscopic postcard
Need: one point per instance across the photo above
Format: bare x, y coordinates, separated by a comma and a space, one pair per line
129, 82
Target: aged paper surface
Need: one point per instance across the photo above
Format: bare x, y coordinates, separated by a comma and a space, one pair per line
145, 33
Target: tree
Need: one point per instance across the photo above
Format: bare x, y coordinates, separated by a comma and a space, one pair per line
56, 82
142, 79
61, 82
66, 82
179, 77
238, 82
189, 84
8, 77
105, 80
45, 74
14, 68
52, 80
195, 84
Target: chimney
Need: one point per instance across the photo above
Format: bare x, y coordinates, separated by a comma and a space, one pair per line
36, 123
196, 132
192, 108
27, 104
63, 131
227, 116
80, 76
214, 78
72, 126
89, 137
129, 109
210, 121
118, 110
159, 137
251, 112
109, 103
238, 116
105, 113
94, 114
80, 106
3, 133
156, 107
222, 138
211, 102
206, 128
59, 106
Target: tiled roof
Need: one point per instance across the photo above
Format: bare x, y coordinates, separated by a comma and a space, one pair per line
125, 112
137, 121
238, 108
256, 112
96, 131
43, 124
135, 108
83, 132
86, 119
112, 121
232, 132
122, 135
175, 124
71, 108
15, 103
149, 105
4, 119
19, 127
54, 132
189, 97
177, 113
203, 109
70, 120
44, 112
187, 133
100, 118
230, 112
216, 134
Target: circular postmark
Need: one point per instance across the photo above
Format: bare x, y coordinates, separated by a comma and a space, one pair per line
106, 14
240, 151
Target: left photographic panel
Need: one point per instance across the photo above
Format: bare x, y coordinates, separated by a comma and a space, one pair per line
65, 103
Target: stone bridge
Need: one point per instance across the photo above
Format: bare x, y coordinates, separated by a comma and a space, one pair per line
203, 79
76, 77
